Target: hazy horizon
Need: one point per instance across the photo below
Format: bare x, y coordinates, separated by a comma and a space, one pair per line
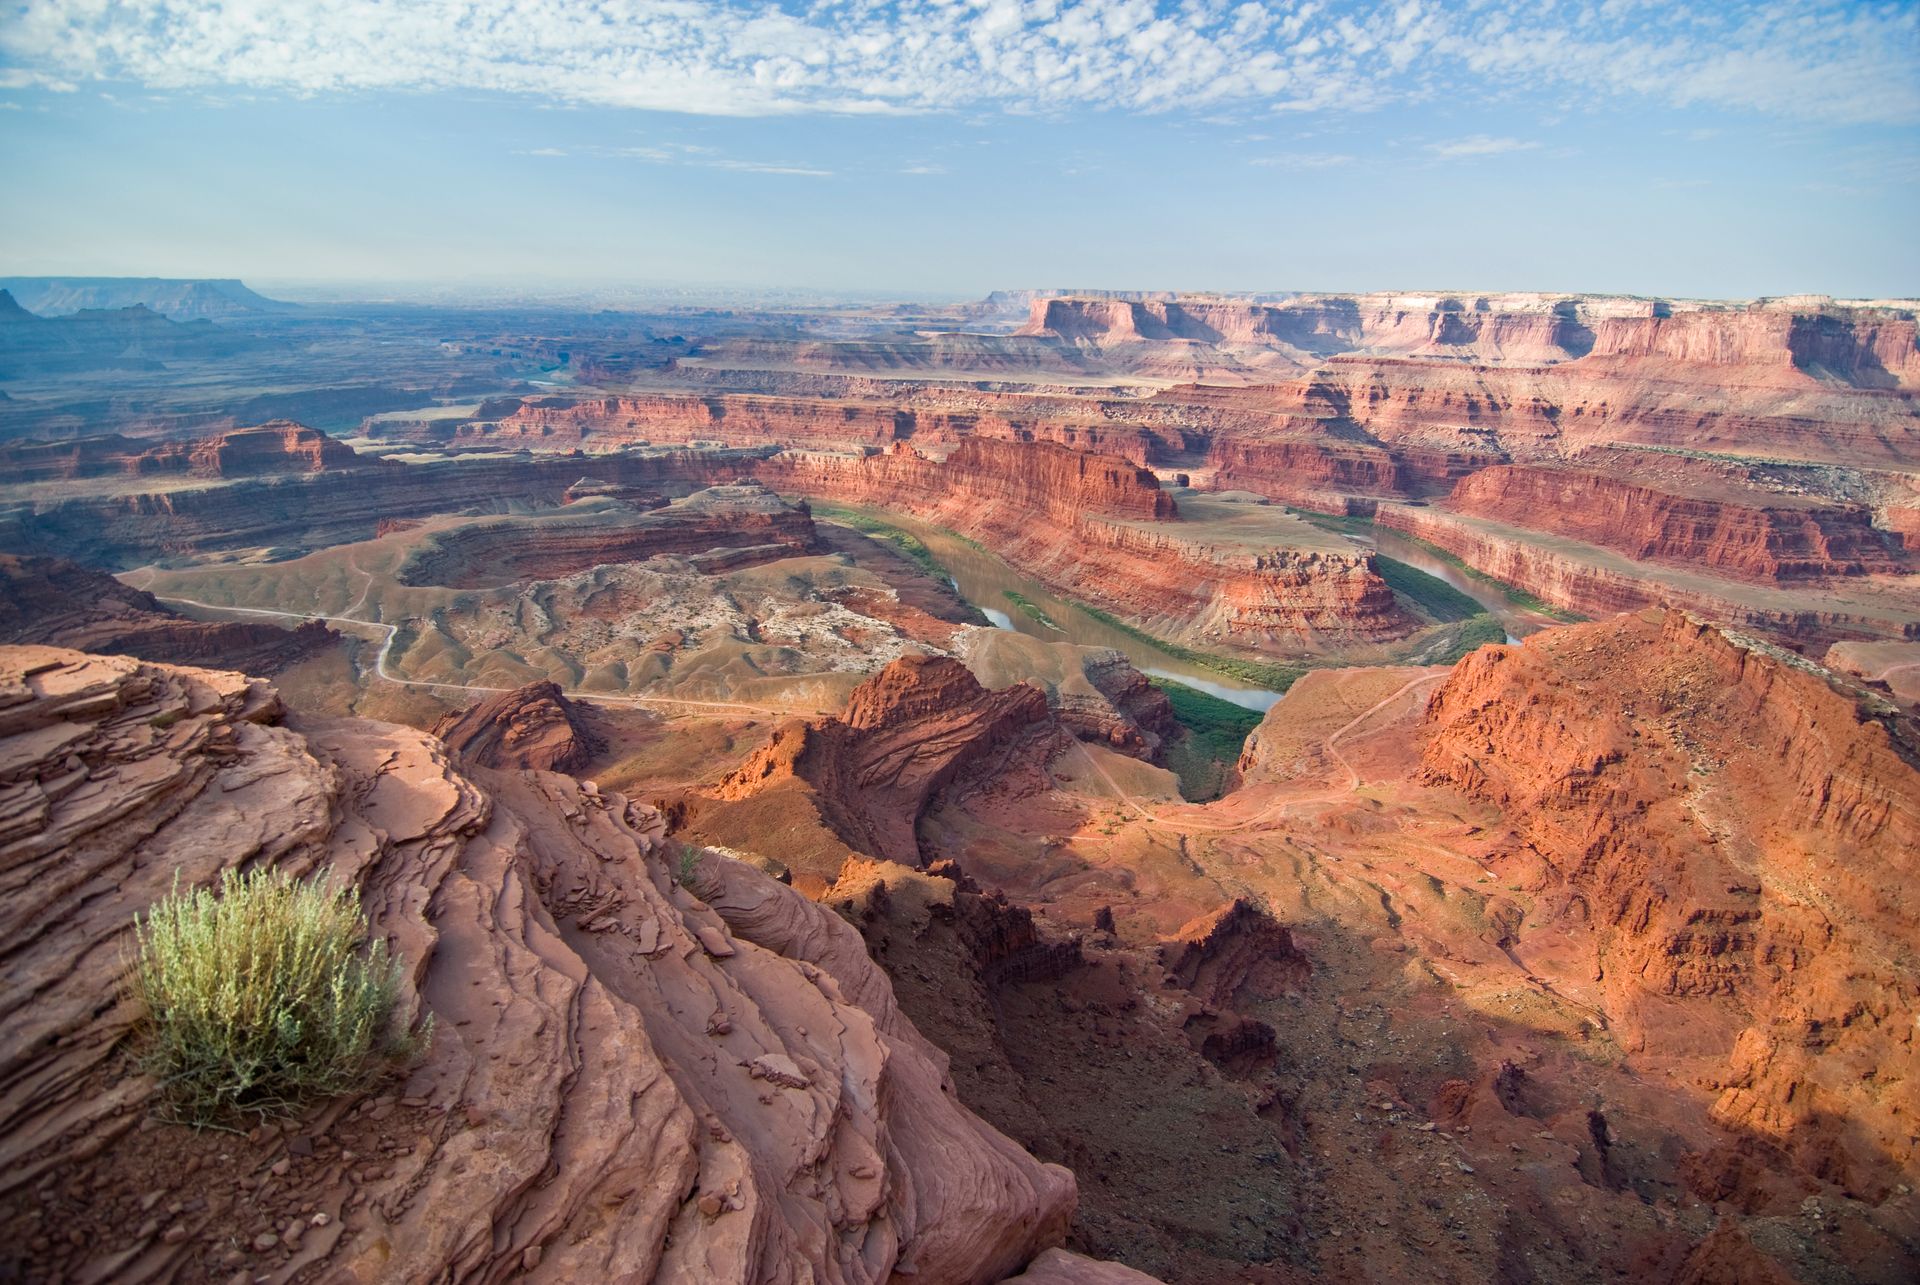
923, 150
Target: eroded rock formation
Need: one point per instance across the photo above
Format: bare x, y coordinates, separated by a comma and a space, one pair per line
535, 726
641, 1068
858, 784
53, 601
1740, 832
748, 520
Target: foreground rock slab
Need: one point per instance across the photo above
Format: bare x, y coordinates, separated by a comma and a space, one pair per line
640, 1068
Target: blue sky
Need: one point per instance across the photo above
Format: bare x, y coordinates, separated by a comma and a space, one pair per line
1725, 149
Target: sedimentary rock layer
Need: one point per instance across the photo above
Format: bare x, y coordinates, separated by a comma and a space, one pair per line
1101, 530
535, 726
277, 447
336, 507
53, 601
1593, 582
864, 779
642, 1067
1741, 834
1740, 535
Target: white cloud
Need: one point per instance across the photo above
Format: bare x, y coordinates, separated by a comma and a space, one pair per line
1304, 160
1478, 145
1823, 60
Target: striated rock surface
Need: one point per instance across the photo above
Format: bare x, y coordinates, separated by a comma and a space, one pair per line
1596, 581
281, 446
883, 415
1740, 831
1740, 535
335, 507
534, 727
859, 783
53, 601
628, 1079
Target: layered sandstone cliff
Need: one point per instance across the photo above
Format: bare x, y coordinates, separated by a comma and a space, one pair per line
337, 507
642, 1066
1739, 831
858, 784
1738, 534
901, 412
1595, 581
266, 449
1102, 530
748, 520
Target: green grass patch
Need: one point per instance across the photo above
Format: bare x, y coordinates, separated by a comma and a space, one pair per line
1213, 732
1438, 598
1275, 678
264, 996
1340, 523
903, 541
1032, 608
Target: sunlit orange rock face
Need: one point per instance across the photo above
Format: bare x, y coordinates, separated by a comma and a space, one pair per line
858, 784
1740, 837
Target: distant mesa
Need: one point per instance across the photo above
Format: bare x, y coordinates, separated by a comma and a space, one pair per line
177, 299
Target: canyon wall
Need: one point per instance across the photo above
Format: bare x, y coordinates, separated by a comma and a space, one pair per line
277, 447
927, 416
52, 601
1102, 531
336, 507
1741, 536
1764, 342
1739, 832
1583, 582
747, 518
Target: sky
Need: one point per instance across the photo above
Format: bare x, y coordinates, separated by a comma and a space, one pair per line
944, 148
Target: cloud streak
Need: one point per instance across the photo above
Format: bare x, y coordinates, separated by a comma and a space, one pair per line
1824, 60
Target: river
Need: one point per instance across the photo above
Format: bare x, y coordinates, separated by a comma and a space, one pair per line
984, 579
1517, 620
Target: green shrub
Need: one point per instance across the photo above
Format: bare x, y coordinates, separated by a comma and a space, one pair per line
261, 997
1032, 608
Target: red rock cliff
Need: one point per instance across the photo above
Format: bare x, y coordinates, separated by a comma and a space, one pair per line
1740, 535
1740, 833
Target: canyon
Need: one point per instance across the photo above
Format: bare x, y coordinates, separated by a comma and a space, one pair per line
802, 762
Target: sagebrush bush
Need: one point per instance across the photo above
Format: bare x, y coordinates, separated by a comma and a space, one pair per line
261, 996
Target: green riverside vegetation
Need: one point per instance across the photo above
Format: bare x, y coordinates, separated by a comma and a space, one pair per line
1215, 732
1032, 608
1275, 678
904, 541
261, 997
1438, 598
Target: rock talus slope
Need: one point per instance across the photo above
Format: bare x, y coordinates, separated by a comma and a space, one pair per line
628, 1078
